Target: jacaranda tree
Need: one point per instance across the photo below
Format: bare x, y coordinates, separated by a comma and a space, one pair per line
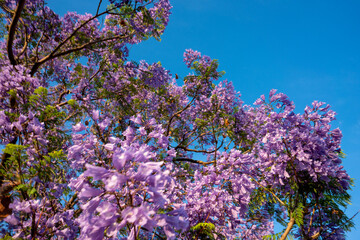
95, 146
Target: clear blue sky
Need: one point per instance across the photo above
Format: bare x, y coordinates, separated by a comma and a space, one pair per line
309, 50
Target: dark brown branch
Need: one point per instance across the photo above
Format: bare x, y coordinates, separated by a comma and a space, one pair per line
12, 31
37, 46
33, 225
199, 151
6, 188
62, 95
4, 206
5, 8
74, 32
5, 199
53, 54
176, 115
75, 49
192, 161
98, 8
27, 40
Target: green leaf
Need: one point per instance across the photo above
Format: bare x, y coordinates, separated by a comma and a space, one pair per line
278, 236
57, 154
203, 231
12, 92
41, 91
72, 102
299, 215
31, 191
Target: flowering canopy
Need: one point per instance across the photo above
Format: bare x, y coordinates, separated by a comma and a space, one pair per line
99, 147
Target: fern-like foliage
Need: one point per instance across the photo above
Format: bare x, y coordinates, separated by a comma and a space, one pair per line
278, 236
205, 231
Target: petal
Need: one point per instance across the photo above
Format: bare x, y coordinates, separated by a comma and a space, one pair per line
97, 173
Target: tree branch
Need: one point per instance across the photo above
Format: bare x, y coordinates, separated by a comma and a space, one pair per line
311, 219
316, 235
12, 31
274, 195
98, 8
192, 161
71, 202
62, 95
194, 150
5, 8
288, 229
78, 48
4, 158
177, 114
6, 188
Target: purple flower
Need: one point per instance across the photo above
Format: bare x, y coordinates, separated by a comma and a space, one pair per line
120, 157
79, 127
97, 173
95, 114
89, 192
114, 182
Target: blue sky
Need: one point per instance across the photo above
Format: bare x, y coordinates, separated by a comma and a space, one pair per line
308, 50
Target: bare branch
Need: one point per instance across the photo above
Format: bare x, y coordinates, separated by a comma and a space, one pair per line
6, 188
199, 151
98, 8
311, 219
27, 40
62, 104
71, 202
5, 8
61, 96
12, 31
192, 161
288, 229
70, 116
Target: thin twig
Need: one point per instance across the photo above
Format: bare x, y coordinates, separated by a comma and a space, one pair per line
311, 219
98, 8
